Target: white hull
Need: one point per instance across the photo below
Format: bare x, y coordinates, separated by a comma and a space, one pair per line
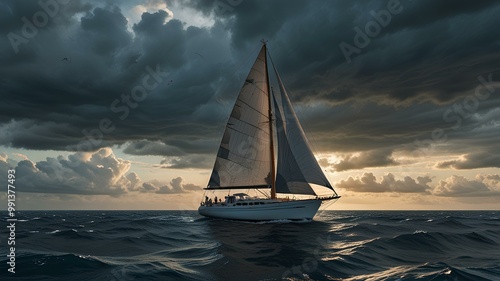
272, 210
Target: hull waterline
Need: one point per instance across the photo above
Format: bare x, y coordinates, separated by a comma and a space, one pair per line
287, 210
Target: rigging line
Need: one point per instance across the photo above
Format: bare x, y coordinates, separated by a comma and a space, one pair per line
246, 59
244, 158
245, 134
257, 70
254, 109
248, 106
263, 193
231, 126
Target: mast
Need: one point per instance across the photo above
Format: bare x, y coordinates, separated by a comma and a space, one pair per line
273, 170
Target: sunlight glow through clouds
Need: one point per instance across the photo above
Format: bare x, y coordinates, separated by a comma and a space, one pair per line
177, 11
134, 13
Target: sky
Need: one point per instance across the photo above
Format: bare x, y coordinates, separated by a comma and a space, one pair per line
122, 104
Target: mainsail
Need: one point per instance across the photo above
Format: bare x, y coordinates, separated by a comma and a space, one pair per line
297, 166
243, 159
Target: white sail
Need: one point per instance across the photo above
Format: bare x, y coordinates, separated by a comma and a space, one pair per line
246, 157
243, 159
297, 166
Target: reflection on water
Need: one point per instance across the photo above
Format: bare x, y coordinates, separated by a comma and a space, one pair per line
268, 251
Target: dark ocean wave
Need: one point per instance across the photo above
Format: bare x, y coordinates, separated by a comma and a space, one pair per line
73, 234
181, 245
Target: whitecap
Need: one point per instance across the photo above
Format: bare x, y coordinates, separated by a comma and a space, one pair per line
342, 245
187, 219
281, 221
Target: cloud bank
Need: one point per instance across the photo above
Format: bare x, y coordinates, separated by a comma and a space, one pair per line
454, 186
99, 173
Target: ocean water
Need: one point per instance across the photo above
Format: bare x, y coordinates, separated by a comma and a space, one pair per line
181, 245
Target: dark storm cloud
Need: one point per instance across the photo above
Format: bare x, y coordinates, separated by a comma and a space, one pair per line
84, 71
106, 31
145, 147
418, 131
188, 161
183, 148
477, 142
427, 51
369, 128
394, 92
473, 161
375, 158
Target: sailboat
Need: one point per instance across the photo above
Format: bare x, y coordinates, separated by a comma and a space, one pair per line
246, 157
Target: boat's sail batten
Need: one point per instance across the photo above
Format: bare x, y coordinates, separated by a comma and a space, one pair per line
243, 158
297, 166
